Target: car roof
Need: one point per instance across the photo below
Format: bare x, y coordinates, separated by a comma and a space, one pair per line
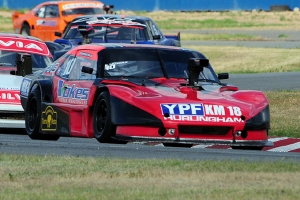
69, 1
99, 16
100, 46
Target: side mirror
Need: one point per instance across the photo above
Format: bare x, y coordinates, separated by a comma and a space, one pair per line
223, 76
87, 70
58, 34
156, 37
15, 15
195, 66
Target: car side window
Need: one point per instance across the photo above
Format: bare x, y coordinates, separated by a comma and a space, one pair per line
154, 29
51, 11
72, 68
41, 12
66, 67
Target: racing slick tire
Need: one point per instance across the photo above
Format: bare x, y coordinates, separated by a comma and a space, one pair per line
177, 145
102, 125
247, 147
33, 117
25, 30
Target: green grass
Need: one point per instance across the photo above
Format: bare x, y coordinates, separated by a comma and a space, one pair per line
241, 60
282, 36
285, 115
207, 24
214, 37
54, 177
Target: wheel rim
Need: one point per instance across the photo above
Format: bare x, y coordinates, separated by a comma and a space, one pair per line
101, 116
32, 114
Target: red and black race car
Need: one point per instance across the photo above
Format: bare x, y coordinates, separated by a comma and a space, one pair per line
121, 93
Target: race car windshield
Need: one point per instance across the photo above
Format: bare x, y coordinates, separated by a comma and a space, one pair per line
82, 11
176, 64
8, 59
111, 33
150, 63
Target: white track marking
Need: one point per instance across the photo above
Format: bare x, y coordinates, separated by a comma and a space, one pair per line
201, 146
277, 139
286, 148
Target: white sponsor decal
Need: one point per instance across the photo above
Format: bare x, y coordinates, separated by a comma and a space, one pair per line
9, 96
203, 118
81, 5
20, 45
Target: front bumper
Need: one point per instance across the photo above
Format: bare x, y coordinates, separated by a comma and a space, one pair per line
250, 143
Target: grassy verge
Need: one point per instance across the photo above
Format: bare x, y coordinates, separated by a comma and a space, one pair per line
52, 177
227, 37
250, 60
223, 20
285, 115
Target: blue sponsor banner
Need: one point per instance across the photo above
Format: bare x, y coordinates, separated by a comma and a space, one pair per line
182, 109
172, 5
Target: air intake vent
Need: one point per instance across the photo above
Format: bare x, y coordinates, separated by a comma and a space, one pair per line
209, 130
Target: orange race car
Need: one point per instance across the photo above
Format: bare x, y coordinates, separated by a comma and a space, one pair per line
48, 17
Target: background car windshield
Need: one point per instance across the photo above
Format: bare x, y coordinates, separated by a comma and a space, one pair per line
131, 62
109, 33
8, 58
146, 63
82, 11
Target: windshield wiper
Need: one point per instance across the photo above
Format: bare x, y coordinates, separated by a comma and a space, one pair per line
208, 80
4, 64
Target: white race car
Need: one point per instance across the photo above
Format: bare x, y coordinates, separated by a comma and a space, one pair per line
19, 56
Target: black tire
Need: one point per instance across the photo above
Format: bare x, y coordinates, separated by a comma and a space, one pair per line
25, 30
259, 148
33, 117
102, 125
177, 145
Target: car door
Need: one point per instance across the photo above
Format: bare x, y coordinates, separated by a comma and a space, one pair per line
73, 81
51, 22
46, 23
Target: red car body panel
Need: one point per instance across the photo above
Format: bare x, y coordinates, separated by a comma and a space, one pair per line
160, 109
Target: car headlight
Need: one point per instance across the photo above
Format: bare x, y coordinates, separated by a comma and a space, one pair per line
259, 121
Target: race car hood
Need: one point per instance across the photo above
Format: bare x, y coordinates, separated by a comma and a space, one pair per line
172, 97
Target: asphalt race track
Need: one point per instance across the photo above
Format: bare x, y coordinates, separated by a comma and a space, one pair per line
22, 144
285, 149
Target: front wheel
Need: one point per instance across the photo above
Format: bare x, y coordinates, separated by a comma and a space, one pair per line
33, 117
102, 125
25, 30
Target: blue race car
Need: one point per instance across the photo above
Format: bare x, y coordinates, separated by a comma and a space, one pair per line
109, 28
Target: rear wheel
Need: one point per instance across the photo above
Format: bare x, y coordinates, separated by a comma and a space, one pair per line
102, 125
177, 145
33, 117
247, 147
25, 30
